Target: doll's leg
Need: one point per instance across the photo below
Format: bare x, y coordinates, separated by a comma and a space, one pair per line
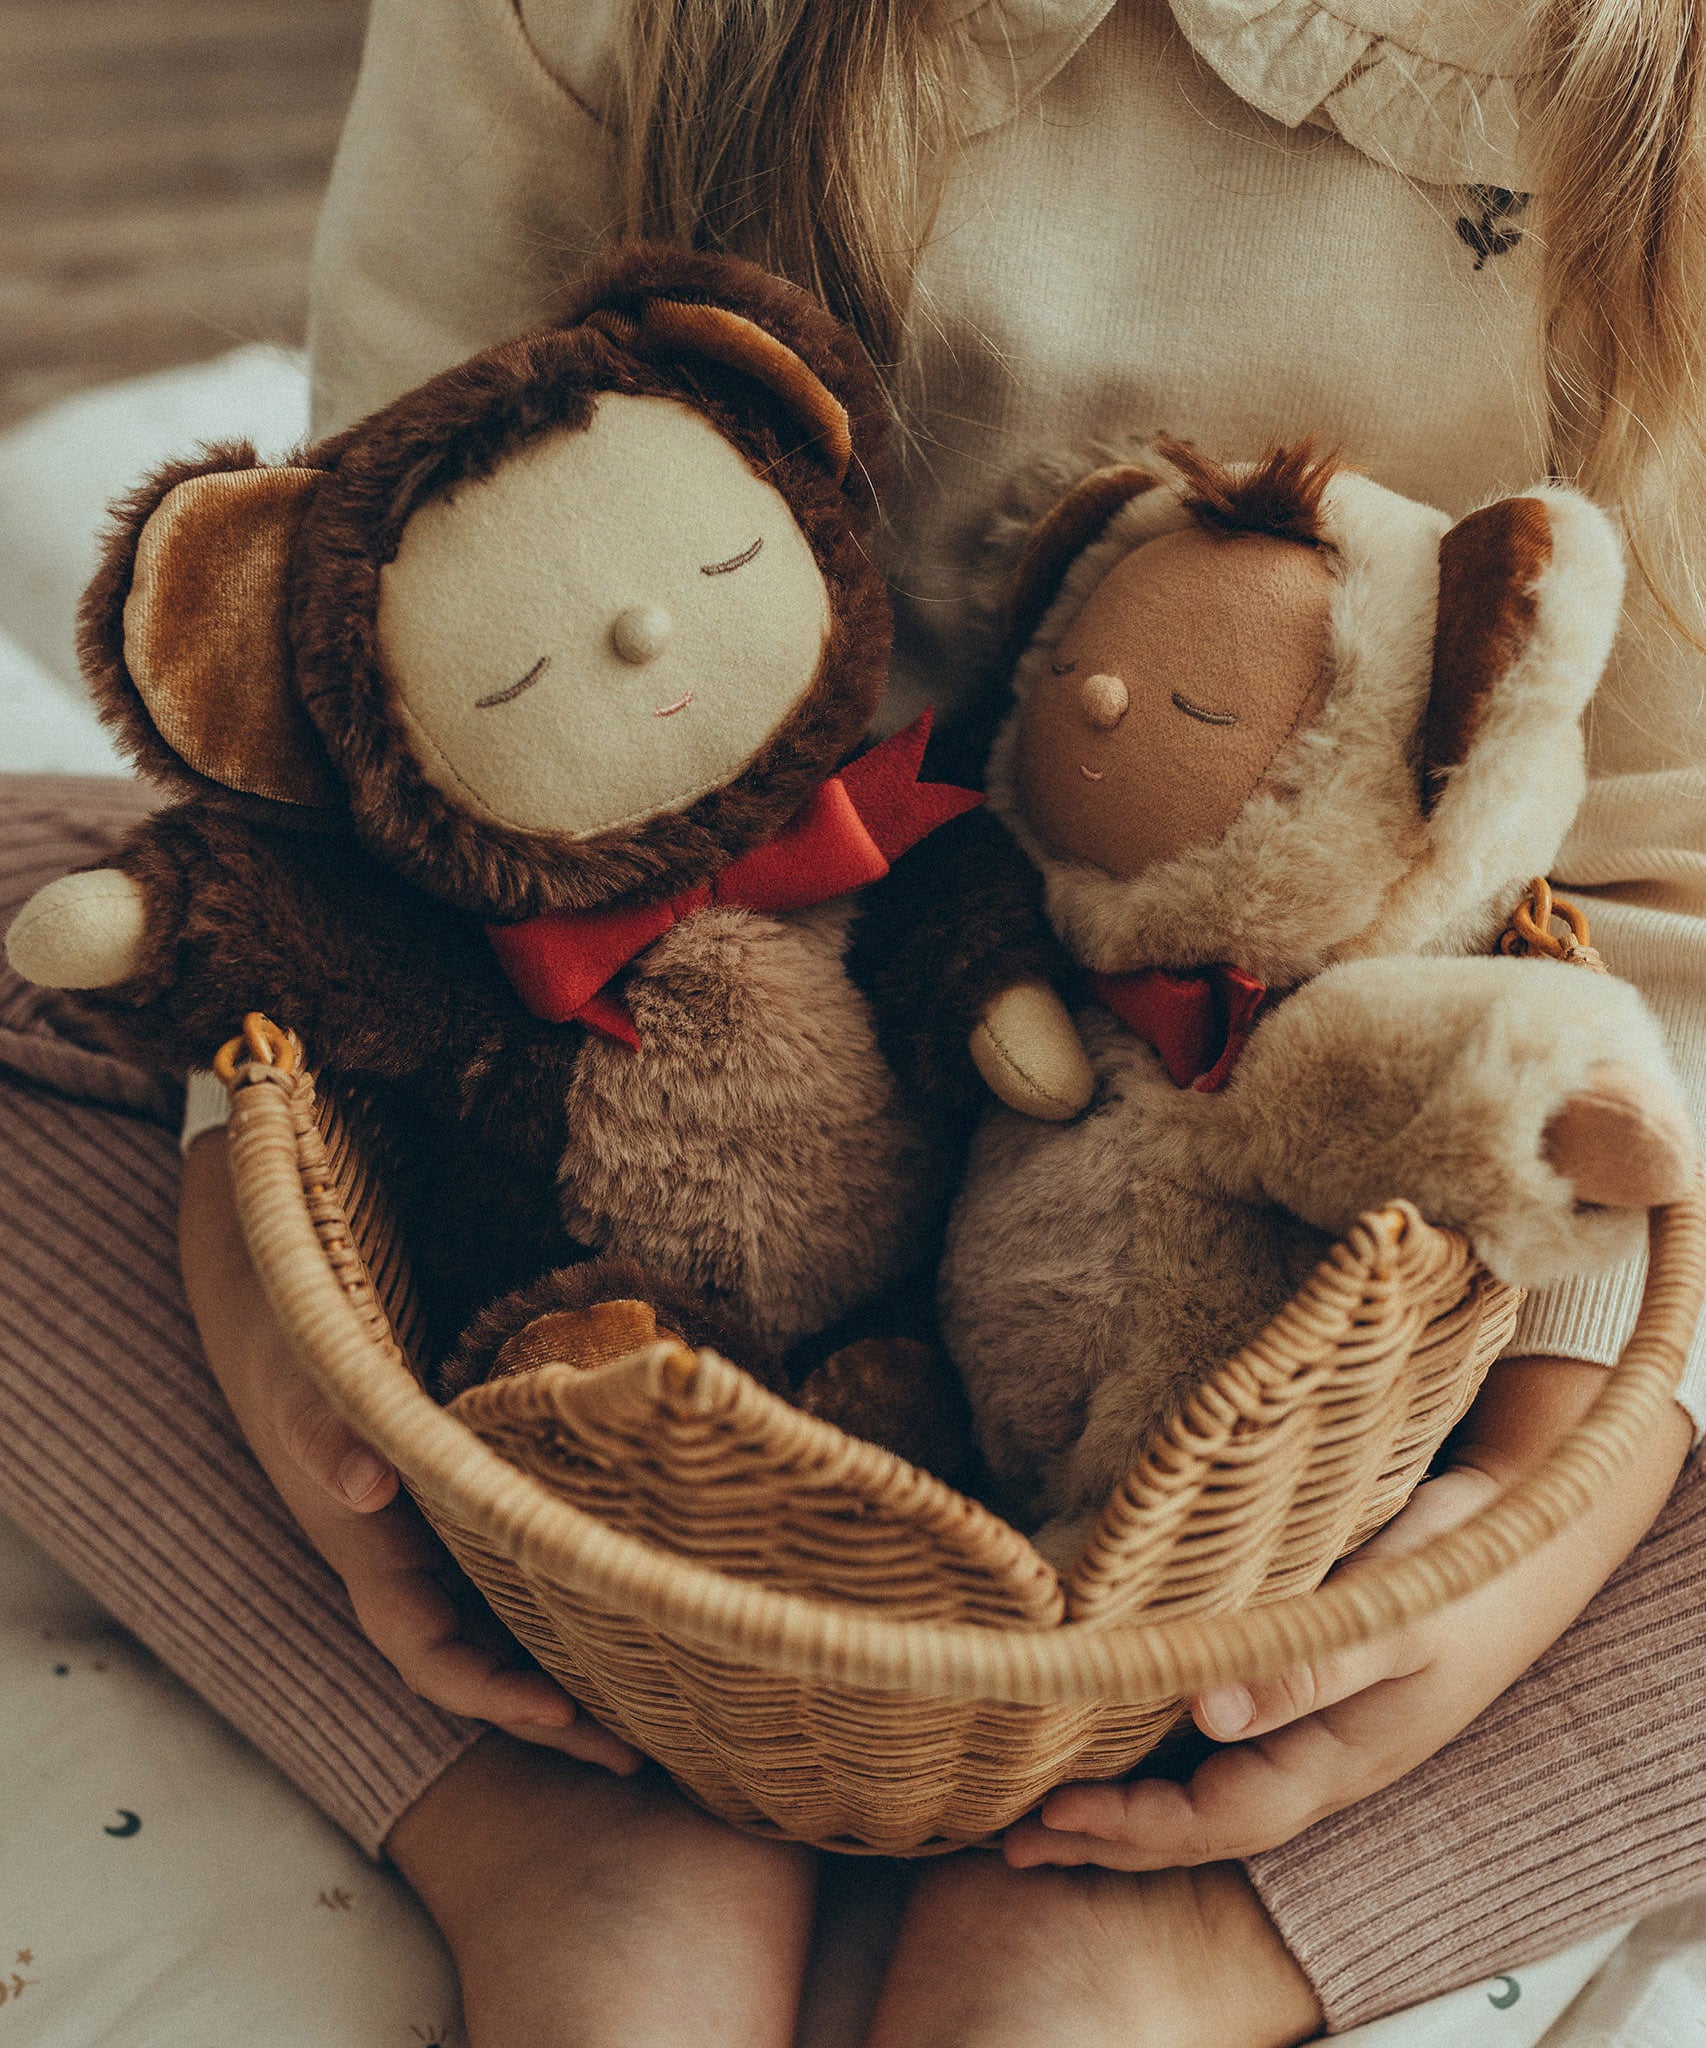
589, 1314
897, 1390
1101, 1959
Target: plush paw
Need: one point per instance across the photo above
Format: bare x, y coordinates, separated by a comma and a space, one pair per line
1064, 1540
83, 931
1028, 1049
1623, 1142
581, 1337
898, 1392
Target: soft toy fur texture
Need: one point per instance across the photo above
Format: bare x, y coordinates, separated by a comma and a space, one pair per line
1096, 1270
757, 1168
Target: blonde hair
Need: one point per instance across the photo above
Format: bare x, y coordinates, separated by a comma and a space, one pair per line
806, 134
1622, 132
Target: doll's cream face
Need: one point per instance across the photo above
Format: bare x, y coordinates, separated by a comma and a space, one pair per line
1158, 713
604, 629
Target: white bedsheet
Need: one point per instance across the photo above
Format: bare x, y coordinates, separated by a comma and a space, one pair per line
160, 1885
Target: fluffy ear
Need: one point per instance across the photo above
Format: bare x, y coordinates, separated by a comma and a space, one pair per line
1062, 535
1529, 594
675, 327
185, 631
655, 299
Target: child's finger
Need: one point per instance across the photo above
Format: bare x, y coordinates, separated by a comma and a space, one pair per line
327, 1449
1233, 1713
413, 1622
583, 1738
1237, 1803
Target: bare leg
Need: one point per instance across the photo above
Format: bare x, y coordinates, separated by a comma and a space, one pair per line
604, 1912
990, 1957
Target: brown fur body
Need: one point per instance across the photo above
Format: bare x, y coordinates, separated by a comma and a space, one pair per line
759, 1144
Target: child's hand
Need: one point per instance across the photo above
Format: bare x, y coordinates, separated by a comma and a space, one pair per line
408, 1594
1324, 1736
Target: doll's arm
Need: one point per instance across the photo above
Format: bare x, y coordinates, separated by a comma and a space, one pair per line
201, 917
1527, 1103
964, 973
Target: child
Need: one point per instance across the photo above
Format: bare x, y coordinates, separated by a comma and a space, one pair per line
1234, 221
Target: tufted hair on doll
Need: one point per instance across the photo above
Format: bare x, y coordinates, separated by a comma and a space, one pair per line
1281, 494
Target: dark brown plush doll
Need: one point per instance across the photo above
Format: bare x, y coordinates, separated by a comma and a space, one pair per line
506, 729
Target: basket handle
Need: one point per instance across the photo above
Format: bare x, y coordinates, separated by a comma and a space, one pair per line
789, 1634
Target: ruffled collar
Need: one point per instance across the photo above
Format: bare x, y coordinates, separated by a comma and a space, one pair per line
1012, 50
1012, 47
1430, 88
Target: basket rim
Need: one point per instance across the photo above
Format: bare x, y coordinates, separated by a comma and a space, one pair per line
806, 1638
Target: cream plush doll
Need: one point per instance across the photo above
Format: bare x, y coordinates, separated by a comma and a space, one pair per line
1286, 749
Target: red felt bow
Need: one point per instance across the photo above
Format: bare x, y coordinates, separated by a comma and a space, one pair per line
846, 835
1198, 1023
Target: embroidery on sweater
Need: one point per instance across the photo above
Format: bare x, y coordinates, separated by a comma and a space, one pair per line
14, 1985
1494, 233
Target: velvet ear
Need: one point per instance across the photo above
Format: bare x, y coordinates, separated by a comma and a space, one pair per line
1490, 570
204, 635
677, 327
1062, 535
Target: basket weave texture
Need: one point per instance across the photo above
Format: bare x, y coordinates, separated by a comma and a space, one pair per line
823, 1643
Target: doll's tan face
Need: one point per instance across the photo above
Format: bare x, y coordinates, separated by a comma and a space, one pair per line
1160, 710
604, 629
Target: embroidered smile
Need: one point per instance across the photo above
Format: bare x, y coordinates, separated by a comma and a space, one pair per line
1091, 774
1191, 710
669, 710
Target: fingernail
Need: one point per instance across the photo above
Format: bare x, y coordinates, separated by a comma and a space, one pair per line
359, 1474
1227, 1710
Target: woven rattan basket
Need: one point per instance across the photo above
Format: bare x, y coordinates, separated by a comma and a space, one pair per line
822, 1643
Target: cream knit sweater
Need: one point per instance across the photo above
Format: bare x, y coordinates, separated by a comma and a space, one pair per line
1231, 219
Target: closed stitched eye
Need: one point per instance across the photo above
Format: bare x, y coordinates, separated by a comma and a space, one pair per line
1061, 668
734, 561
515, 689
1208, 717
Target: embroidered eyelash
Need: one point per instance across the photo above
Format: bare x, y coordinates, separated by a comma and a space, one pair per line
734, 561
1191, 710
515, 689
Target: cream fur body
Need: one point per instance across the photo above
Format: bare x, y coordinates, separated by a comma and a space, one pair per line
757, 1146
1085, 1273
1095, 1271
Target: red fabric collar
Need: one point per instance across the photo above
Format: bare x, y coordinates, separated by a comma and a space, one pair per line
846, 835
1198, 1023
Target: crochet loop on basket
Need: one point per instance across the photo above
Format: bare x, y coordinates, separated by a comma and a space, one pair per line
261, 1043
1530, 930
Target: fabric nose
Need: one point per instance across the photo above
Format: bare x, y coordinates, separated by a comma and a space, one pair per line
1106, 701
640, 633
